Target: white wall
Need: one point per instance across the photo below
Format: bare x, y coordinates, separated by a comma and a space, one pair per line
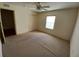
74, 46
65, 20
24, 18
0, 48
0, 40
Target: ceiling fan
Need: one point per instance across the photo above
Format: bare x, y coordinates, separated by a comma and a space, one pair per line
40, 7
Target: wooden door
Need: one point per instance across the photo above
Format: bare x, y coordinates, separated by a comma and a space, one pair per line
7, 17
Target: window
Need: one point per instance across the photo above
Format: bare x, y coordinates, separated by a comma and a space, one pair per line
50, 21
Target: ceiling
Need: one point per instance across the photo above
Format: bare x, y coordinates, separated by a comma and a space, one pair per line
53, 5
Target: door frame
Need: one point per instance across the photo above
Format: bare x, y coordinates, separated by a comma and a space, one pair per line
2, 32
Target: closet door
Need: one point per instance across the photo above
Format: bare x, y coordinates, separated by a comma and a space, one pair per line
7, 17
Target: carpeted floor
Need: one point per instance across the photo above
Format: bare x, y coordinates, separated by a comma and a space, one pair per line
35, 44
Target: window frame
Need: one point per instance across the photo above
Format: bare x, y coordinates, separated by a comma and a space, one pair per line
53, 22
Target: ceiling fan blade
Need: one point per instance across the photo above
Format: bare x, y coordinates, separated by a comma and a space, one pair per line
44, 9
45, 6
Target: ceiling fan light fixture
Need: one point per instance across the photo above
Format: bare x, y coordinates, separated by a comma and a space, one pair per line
40, 7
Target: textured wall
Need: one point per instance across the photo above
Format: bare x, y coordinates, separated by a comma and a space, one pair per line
65, 20
74, 46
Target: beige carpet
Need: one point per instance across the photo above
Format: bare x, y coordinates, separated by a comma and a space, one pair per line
35, 44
